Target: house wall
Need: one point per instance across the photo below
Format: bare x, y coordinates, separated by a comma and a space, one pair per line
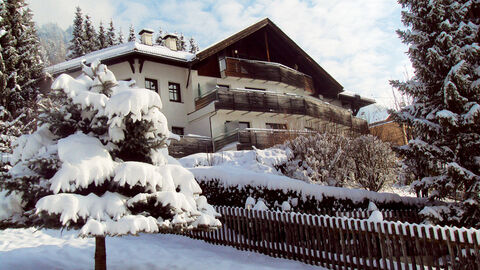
174, 111
255, 120
389, 132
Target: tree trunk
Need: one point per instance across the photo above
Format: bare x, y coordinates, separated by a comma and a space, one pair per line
100, 253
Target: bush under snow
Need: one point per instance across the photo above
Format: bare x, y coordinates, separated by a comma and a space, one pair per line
337, 160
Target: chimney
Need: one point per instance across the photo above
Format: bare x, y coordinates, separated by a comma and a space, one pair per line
171, 41
146, 36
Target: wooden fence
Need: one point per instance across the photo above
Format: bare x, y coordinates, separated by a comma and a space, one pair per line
346, 243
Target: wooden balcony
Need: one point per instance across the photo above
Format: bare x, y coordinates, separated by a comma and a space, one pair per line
267, 71
271, 102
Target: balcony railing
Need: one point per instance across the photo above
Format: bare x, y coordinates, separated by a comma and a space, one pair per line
260, 138
271, 102
268, 71
189, 145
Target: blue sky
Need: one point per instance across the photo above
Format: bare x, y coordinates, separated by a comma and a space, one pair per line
354, 40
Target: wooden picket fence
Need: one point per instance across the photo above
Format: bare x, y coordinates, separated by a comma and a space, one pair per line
346, 243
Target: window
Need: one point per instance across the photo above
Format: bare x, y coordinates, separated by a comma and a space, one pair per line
243, 125
177, 130
151, 84
233, 125
223, 86
276, 126
174, 92
256, 89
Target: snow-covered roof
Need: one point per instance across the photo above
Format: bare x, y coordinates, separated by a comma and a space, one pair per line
373, 113
122, 49
148, 30
353, 94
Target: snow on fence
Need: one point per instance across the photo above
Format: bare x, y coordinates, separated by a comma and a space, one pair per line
410, 216
341, 243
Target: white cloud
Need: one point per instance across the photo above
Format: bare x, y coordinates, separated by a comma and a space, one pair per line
353, 40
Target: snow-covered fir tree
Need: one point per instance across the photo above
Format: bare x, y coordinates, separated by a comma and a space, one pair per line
111, 36
193, 46
121, 38
444, 156
102, 37
131, 34
22, 64
77, 47
98, 162
90, 42
181, 44
20, 72
159, 39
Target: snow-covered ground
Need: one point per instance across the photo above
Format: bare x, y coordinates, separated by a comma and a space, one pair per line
53, 249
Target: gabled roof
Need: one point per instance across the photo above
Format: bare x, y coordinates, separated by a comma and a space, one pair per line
263, 24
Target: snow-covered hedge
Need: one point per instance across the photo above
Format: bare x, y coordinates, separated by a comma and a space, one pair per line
229, 178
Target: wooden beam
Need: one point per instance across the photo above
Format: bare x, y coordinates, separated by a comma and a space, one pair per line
131, 61
141, 61
266, 45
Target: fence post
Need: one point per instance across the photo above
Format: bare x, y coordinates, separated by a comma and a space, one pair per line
388, 245
395, 248
476, 237
343, 241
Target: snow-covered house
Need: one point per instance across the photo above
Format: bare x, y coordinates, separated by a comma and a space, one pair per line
382, 125
244, 90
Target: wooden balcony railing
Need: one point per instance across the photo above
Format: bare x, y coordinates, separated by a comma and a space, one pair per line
189, 145
260, 138
271, 102
268, 71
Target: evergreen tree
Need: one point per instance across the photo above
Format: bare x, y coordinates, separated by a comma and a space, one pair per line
159, 39
121, 38
444, 155
181, 45
90, 43
21, 70
131, 34
54, 41
102, 37
111, 38
76, 48
193, 46
99, 164
21, 66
